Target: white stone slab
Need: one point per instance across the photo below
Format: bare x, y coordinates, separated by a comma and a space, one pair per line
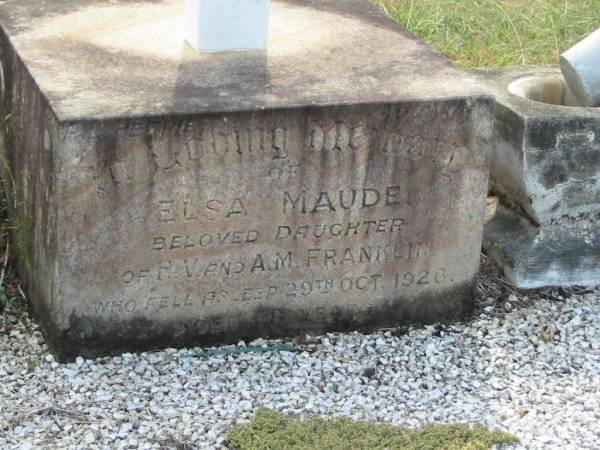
227, 25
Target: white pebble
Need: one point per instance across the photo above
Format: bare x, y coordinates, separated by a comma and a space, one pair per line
492, 370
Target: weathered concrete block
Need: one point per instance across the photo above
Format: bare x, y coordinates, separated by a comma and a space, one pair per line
174, 198
546, 170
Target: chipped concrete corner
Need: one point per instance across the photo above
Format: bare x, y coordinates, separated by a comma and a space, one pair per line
546, 171
202, 223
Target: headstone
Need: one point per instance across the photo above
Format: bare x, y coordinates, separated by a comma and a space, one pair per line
227, 25
169, 197
545, 171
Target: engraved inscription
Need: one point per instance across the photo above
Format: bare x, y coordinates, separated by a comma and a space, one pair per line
338, 137
263, 218
292, 291
325, 201
198, 267
224, 142
205, 240
335, 230
188, 210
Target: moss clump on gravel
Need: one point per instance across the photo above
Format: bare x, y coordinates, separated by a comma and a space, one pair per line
270, 430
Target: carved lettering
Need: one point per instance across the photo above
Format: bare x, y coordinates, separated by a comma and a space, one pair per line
338, 137
364, 228
192, 210
284, 291
325, 201
204, 240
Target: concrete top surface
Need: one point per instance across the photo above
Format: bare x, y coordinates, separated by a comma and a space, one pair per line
95, 59
499, 79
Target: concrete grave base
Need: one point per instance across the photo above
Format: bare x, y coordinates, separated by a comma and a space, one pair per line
546, 172
172, 198
565, 252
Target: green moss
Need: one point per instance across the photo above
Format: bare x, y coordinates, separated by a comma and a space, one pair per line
502, 257
476, 33
12, 305
18, 226
23, 233
270, 430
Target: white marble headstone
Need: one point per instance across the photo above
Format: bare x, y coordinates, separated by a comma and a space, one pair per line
227, 25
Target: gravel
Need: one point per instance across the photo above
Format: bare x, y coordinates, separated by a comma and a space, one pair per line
533, 371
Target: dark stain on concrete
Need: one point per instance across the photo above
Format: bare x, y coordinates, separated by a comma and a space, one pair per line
90, 336
571, 154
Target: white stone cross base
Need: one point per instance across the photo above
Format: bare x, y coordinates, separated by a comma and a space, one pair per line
227, 25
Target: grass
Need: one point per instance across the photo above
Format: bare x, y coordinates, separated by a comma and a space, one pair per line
477, 33
12, 299
270, 430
